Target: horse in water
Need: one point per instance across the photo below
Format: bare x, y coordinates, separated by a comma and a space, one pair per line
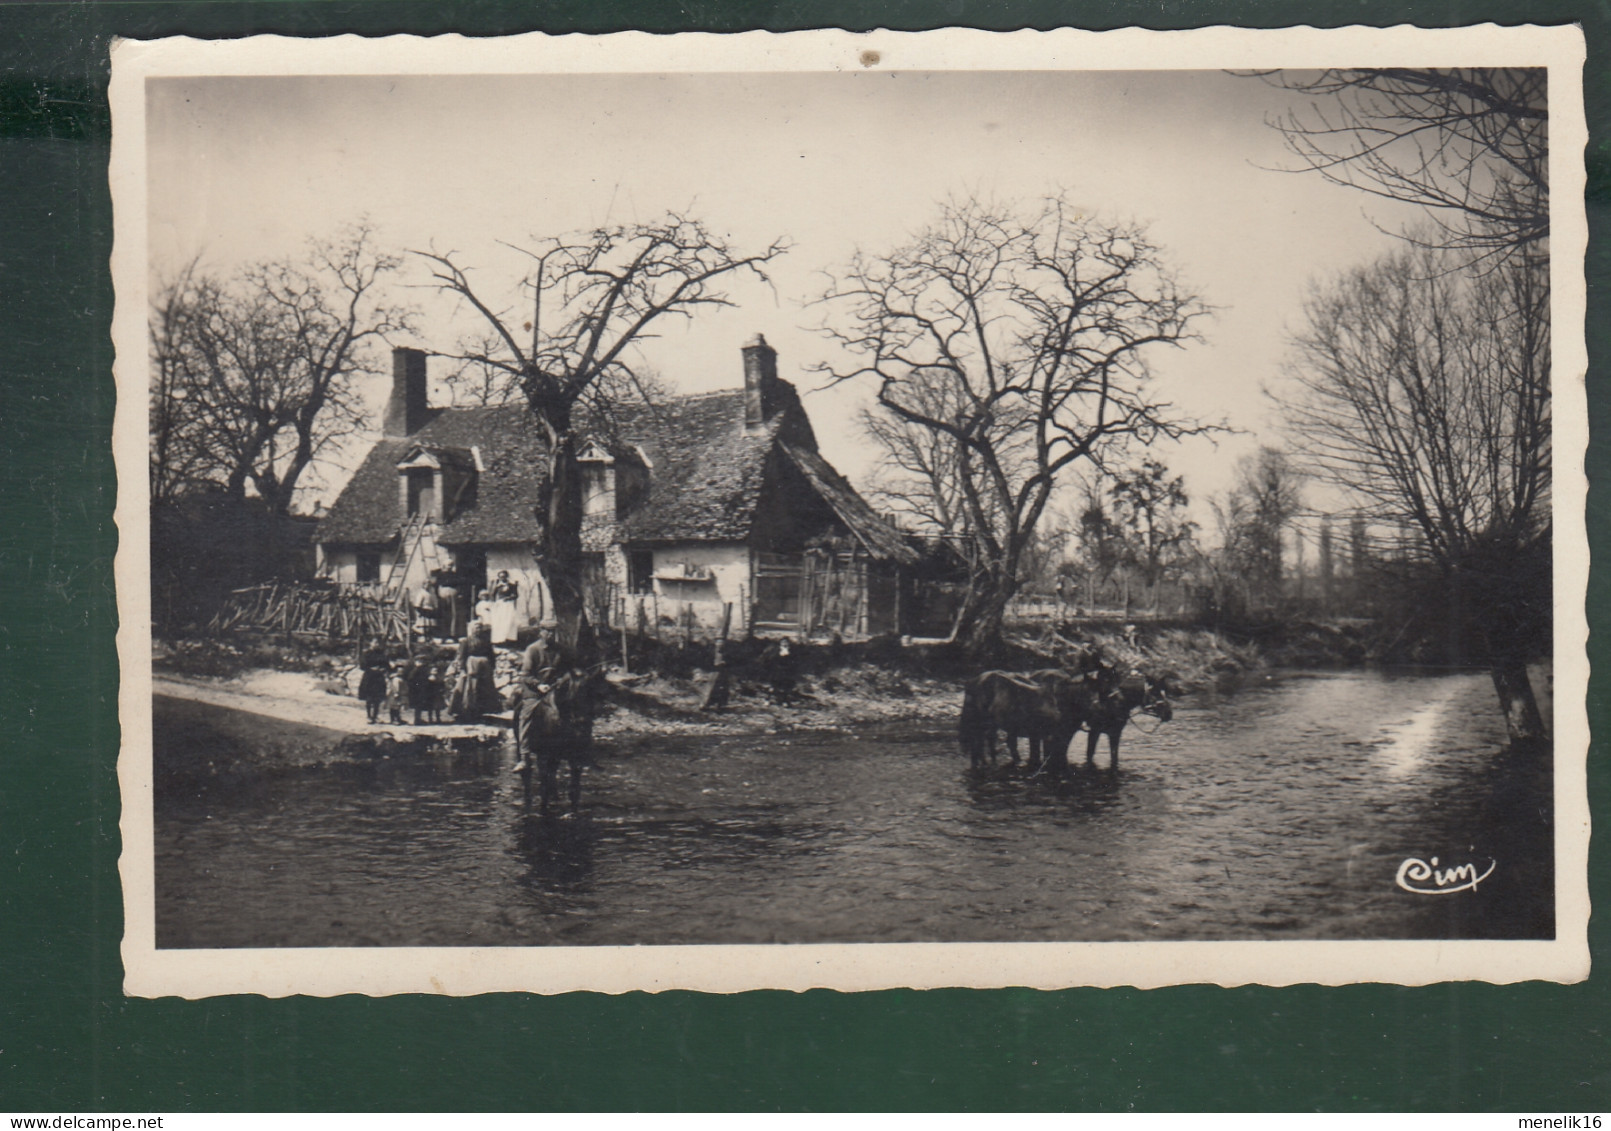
1108, 711
556, 726
1049, 707
1043, 707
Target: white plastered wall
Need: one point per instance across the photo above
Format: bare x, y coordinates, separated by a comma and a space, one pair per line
728, 567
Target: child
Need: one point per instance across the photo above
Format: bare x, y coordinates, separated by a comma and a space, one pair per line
435, 693
372, 686
397, 696
419, 689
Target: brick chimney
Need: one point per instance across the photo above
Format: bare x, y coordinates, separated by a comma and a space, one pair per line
760, 381
409, 402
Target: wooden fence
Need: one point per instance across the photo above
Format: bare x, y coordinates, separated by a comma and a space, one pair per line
342, 613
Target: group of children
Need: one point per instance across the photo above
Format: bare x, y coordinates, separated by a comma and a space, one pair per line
420, 684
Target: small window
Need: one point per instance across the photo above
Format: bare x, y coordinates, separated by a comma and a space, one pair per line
368, 566
598, 494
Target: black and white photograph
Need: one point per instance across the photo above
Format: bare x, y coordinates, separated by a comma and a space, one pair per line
735, 512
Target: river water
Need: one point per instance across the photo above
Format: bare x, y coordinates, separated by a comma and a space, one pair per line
1283, 811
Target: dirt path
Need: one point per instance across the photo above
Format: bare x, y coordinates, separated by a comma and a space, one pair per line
298, 697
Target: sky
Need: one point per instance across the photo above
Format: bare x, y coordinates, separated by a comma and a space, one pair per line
247, 168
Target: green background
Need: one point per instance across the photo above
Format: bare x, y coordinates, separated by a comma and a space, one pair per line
69, 1040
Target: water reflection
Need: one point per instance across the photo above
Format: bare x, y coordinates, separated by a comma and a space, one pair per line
1404, 745
558, 851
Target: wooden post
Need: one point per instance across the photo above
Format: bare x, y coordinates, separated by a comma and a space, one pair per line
719, 656
717, 694
803, 618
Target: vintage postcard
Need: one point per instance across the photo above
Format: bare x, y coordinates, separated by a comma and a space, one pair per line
851, 510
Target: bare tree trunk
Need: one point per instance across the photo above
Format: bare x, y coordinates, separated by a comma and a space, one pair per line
560, 546
979, 626
1523, 720
1508, 667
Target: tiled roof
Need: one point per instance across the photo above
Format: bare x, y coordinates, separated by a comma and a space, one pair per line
706, 469
369, 509
707, 472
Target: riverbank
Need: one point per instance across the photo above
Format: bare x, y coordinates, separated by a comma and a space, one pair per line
630, 705
771, 690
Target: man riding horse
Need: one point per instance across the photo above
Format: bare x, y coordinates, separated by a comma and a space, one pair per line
554, 718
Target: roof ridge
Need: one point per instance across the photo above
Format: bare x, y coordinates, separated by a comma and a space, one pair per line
708, 394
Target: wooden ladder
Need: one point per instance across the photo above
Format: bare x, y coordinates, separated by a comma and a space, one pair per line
408, 541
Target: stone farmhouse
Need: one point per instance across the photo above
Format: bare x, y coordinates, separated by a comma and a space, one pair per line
704, 510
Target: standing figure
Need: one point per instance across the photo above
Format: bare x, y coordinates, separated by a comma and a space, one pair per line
427, 607
372, 684
397, 695
503, 595
419, 689
476, 692
451, 597
435, 693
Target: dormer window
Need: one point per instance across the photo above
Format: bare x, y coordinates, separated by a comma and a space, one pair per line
422, 493
432, 482
598, 482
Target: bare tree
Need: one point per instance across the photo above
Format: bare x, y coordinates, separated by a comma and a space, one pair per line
1469, 145
180, 459
1448, 348
480, 384
588, 299
254, 373
1149, 512
1100, 540
1041, 325
920, 478
1425, 393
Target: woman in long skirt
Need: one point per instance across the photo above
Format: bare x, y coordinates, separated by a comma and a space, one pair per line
505, 592
477, 691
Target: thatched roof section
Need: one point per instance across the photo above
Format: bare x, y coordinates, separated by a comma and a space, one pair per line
370, 510
367, 509
881, 538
